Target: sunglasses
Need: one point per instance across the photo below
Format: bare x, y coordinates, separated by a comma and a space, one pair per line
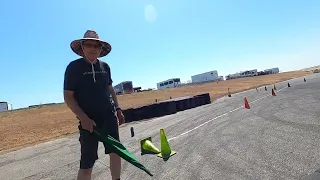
91, 45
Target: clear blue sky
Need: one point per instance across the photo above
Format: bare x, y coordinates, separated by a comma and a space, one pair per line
152, 40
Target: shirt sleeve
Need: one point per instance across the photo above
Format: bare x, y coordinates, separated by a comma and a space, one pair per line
70, 79
109, 74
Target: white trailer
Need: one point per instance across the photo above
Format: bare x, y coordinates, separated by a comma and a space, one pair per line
4, 106
233, 76
272, 71
207, 76
169, 83
221, 78
247, 73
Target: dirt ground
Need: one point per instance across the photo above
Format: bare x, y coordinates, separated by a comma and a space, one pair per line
26, 127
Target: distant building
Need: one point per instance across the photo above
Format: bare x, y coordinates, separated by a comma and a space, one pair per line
169, 83
4, 106
204, 77
272, 71
242, 74
137, 89
124, 87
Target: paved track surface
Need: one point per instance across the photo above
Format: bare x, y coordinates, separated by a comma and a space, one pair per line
278, 138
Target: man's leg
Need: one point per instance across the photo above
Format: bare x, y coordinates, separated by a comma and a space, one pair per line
115, 160
84, 174
89, 154
115, 166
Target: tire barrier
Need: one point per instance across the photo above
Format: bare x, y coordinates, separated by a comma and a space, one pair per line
148, 111
179, 105
192, 102
198, 101
160, 109
139, 113
128, 114
202, 100
206, 98
186, 104
168, 107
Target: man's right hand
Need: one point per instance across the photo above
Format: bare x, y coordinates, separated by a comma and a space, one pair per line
87, 124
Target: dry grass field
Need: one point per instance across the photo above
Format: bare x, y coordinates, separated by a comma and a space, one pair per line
311, 68
27, 127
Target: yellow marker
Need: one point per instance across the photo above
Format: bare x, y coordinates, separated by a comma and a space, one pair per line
166, 151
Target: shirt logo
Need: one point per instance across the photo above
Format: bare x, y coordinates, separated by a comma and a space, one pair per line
96, 72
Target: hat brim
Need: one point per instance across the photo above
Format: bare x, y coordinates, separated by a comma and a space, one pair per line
76, 46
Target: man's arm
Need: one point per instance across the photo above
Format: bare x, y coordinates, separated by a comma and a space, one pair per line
120, 116
111, 90
69, 86
114, 96
73, 105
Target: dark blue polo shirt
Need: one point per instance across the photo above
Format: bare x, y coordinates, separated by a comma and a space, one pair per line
90, 83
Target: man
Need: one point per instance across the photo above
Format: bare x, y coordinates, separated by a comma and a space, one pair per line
87, 89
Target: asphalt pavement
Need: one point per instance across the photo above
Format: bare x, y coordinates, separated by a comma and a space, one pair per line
278, 138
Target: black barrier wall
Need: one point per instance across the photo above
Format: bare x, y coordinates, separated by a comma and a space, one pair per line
160, 109
171, 107
192, 102
179, 105
128, 114
167, 107
186, 104
138, 113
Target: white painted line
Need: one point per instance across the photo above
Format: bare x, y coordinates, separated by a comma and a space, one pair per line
221, 116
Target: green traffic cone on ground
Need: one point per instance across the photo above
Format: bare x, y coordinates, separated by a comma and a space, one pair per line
147, 147
166, 151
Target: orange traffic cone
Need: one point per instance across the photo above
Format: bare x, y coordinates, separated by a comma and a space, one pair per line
273, 93
246, 103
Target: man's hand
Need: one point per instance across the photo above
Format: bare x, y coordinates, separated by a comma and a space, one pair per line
87, 124
120, 117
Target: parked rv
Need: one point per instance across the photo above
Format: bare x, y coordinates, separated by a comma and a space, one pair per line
4, 106
169, 83
204, 77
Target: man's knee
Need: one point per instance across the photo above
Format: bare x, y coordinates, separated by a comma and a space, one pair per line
114, 156
87, 162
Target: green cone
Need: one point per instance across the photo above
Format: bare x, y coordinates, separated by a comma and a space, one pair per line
116, 147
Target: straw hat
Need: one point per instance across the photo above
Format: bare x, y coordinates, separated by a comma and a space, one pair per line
90, 35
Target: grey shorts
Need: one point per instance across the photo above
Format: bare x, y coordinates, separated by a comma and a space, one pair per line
89, 145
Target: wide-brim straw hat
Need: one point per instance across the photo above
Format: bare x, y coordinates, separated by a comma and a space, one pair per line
90, 35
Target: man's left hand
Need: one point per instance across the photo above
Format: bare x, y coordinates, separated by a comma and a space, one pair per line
120, 117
